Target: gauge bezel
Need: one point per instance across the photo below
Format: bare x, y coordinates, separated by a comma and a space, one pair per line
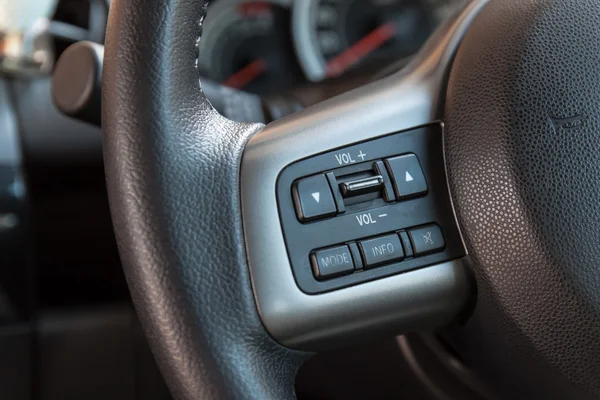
310, 56
217, 17
305, 41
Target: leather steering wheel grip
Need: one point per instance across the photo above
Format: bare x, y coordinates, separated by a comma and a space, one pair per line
172, 165
522, 156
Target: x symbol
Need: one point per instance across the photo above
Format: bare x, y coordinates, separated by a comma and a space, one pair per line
427, 238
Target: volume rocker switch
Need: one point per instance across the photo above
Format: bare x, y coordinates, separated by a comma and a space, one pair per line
313, 198
362, 186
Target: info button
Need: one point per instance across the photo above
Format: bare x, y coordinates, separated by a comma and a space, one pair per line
381, 250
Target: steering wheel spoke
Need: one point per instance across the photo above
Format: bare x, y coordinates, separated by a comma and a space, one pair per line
391, 130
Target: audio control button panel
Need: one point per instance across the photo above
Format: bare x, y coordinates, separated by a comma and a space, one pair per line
395, 247
368, 211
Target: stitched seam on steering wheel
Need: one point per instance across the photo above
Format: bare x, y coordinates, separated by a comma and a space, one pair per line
204, 5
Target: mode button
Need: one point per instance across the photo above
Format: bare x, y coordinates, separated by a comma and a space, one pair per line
331, 262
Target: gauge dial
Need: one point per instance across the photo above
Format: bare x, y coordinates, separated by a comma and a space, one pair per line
247, 45
334, 36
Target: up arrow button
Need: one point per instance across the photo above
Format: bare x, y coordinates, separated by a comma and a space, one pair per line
407, 175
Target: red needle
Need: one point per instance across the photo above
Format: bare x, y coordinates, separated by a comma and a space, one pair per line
246, 75
360, 49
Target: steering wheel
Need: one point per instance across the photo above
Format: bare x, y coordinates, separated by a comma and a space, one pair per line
238, 276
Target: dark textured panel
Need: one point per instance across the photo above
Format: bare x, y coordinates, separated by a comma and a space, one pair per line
47, 135
523, 153
172, 166
85, 355
16, 381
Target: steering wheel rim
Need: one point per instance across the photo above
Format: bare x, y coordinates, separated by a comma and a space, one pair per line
163, 144
174, 303
195, 260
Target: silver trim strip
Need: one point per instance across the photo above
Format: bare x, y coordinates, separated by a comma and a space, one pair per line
10, 149
415, 300
304, 40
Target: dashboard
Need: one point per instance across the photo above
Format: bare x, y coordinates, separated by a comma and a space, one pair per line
270, 46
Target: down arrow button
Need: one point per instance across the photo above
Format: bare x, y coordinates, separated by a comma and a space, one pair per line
313, 198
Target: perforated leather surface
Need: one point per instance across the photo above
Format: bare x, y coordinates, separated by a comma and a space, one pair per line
172, 166
523, 152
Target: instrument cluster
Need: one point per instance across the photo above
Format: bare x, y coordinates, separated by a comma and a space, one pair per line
268, 46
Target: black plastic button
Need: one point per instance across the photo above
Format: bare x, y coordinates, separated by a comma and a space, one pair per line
406, 244
313, 198
388, 188
331, 262
381, 250
407, 175
427, 239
